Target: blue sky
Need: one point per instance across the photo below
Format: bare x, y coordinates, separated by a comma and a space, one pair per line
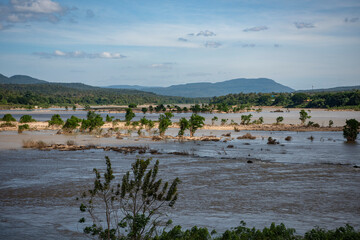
161, 43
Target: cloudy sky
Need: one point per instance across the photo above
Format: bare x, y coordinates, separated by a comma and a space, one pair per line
299, 43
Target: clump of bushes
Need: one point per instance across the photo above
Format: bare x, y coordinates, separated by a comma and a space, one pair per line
56, 120
23, 127
34, 144
26, 119
8, 118
247, 136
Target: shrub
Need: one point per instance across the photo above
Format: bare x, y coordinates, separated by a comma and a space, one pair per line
26, 119
351, 130
72, 123
56, 120
8, 118
23, 127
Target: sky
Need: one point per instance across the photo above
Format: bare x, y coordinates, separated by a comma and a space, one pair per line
302, 44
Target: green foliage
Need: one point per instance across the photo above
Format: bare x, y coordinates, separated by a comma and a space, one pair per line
144, 110
73, 107
108, 118
87, 107
132, 105
8, 118
195, 122
178, 234
303, 116
223, 121
129, 115
92, 122
195, 108
71, 123
279, 119
341, 233
245, 119
215, 118
351, 130
56, 120
164, 122
27, 119
23, 127
132, 209
184, 124
331, 123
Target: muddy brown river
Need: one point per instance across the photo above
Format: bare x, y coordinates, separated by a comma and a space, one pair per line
301, 183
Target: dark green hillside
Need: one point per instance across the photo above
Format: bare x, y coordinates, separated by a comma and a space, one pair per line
75, 93
19, 79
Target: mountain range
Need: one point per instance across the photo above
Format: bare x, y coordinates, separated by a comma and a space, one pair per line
189, 90
207, 89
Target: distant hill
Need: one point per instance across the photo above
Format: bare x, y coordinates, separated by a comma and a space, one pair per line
20, 79
335, 89
207, 89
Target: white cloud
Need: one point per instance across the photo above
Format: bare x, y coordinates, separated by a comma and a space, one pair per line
166, 65
36, 6
211, 44
301, 25
256, 29
79, 54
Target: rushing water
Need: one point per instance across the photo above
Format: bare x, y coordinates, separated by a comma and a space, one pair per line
302, 183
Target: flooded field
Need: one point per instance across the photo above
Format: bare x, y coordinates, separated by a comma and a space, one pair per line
291, 116
301, 183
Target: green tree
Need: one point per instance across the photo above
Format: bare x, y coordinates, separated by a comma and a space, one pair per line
279, 119
195, 122
132, 209
351, 130
56, 120
8, 118
215, 118
26, 119
303, 116
129, 115
108, 118
164, 122
132, 105
92, 122
72, 123
245, 119
87, 107
184, 124
74, 107
144, 110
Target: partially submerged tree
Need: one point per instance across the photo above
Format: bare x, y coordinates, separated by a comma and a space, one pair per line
56, 120
245, 119
132, 209
351, 130
8, 118
279, 119
164, 122
195, 122
303, 116
92, 122
26, 119
183, 124
108, 118
215, 118
129, 115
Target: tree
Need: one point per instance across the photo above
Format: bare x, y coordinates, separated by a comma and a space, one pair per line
8, 118
215, 118
195, 108
74, 107
331, 123
92, 122
144, 110
108, 118
26, 119
56, 120
195, 122
132, 209
132, 105
303, 116
164, 122
279, 119
351, 130
129, 115
72, 123
184, 124
245, 119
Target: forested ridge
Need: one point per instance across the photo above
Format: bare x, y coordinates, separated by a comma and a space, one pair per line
77, 93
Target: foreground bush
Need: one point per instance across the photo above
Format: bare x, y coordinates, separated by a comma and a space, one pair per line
26, 119
8, 118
